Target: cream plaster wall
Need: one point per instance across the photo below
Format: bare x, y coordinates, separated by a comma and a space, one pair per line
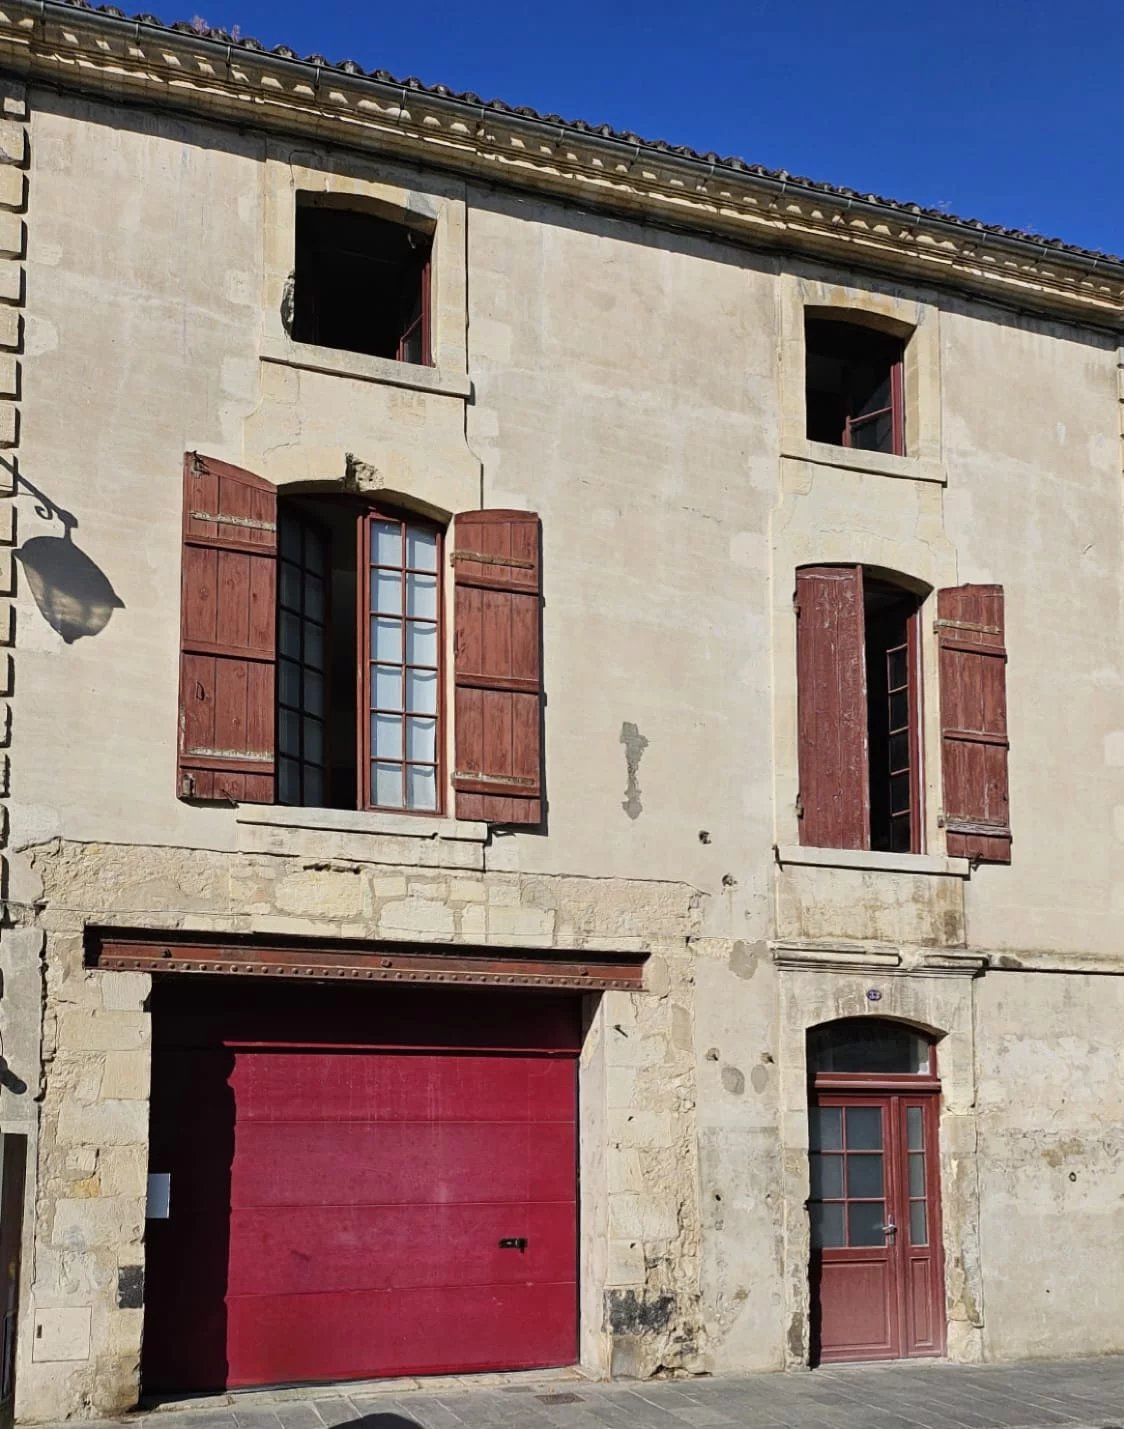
636, 388
1050, 1113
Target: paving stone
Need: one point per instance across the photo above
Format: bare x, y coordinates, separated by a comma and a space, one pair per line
297, 1416
1065, 1395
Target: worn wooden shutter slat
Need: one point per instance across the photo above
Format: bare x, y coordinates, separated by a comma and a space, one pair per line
228, 634
497, 714
834, 806
973, 675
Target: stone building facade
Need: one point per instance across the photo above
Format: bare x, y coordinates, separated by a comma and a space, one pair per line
619, 340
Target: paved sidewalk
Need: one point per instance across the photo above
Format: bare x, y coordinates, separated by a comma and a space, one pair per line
1083, 1394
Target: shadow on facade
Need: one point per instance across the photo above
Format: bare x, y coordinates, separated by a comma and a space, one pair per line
74, 595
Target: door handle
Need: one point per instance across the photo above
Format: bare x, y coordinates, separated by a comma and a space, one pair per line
514, 1242
890, 1228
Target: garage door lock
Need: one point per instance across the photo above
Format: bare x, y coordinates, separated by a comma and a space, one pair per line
514, 1242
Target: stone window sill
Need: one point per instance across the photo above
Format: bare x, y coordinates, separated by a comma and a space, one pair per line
383, 370
868, 861
908, 468
349, 821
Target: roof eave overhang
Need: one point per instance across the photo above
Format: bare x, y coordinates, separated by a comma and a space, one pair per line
127, 61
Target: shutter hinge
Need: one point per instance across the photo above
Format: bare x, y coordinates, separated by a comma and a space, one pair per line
939, 625
796, 603
799, 806
187, 786
940, 818
483, 560
220, 518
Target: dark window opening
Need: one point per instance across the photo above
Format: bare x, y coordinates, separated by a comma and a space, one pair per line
870, 1045
358, 660
362, 284
853, 386
892, 717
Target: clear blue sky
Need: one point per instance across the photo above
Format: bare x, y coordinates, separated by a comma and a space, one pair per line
1005, 110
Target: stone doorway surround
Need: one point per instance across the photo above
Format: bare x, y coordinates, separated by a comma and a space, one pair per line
931, 990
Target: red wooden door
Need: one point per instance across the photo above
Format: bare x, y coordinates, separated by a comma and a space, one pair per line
342, 1209
877, 1287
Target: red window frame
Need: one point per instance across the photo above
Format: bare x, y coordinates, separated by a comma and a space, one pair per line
305, 527
912, 814
425, 358
895, 411
366, 613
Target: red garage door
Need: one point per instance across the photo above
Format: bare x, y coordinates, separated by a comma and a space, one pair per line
363, 1184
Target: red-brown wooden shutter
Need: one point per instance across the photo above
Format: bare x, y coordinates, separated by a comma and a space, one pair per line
228, 634
834, 805
973, 675
497, 717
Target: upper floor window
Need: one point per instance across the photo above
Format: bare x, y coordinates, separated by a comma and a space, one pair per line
312, 667
358, 657
859, 709
361, 284
854, 392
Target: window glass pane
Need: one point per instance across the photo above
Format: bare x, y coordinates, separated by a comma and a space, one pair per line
288, 781
917, 1173
387, 682
313, 692
864, 1175
386, 544
422, 786
288, 732
386, 638
313, 741
314, 552
421, 549
864, 1128
915, 1128
314, 598
289, 593
313, 787
290, 540
386, 736
386, 784
896, 668
827, 1225
289, 635
864, 1223
872, 391
386, 592
918, 1224
899, 793
866, 1044
899, 751
875, 435
421, 739
421, 596
899, 710
288, 682
826, 1128
827, 1176
421, 691
314, 646
421, 643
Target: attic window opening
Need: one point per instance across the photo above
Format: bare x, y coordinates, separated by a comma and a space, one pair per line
854, 386
362, 284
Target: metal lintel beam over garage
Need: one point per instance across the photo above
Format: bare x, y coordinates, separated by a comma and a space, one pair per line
173, 951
